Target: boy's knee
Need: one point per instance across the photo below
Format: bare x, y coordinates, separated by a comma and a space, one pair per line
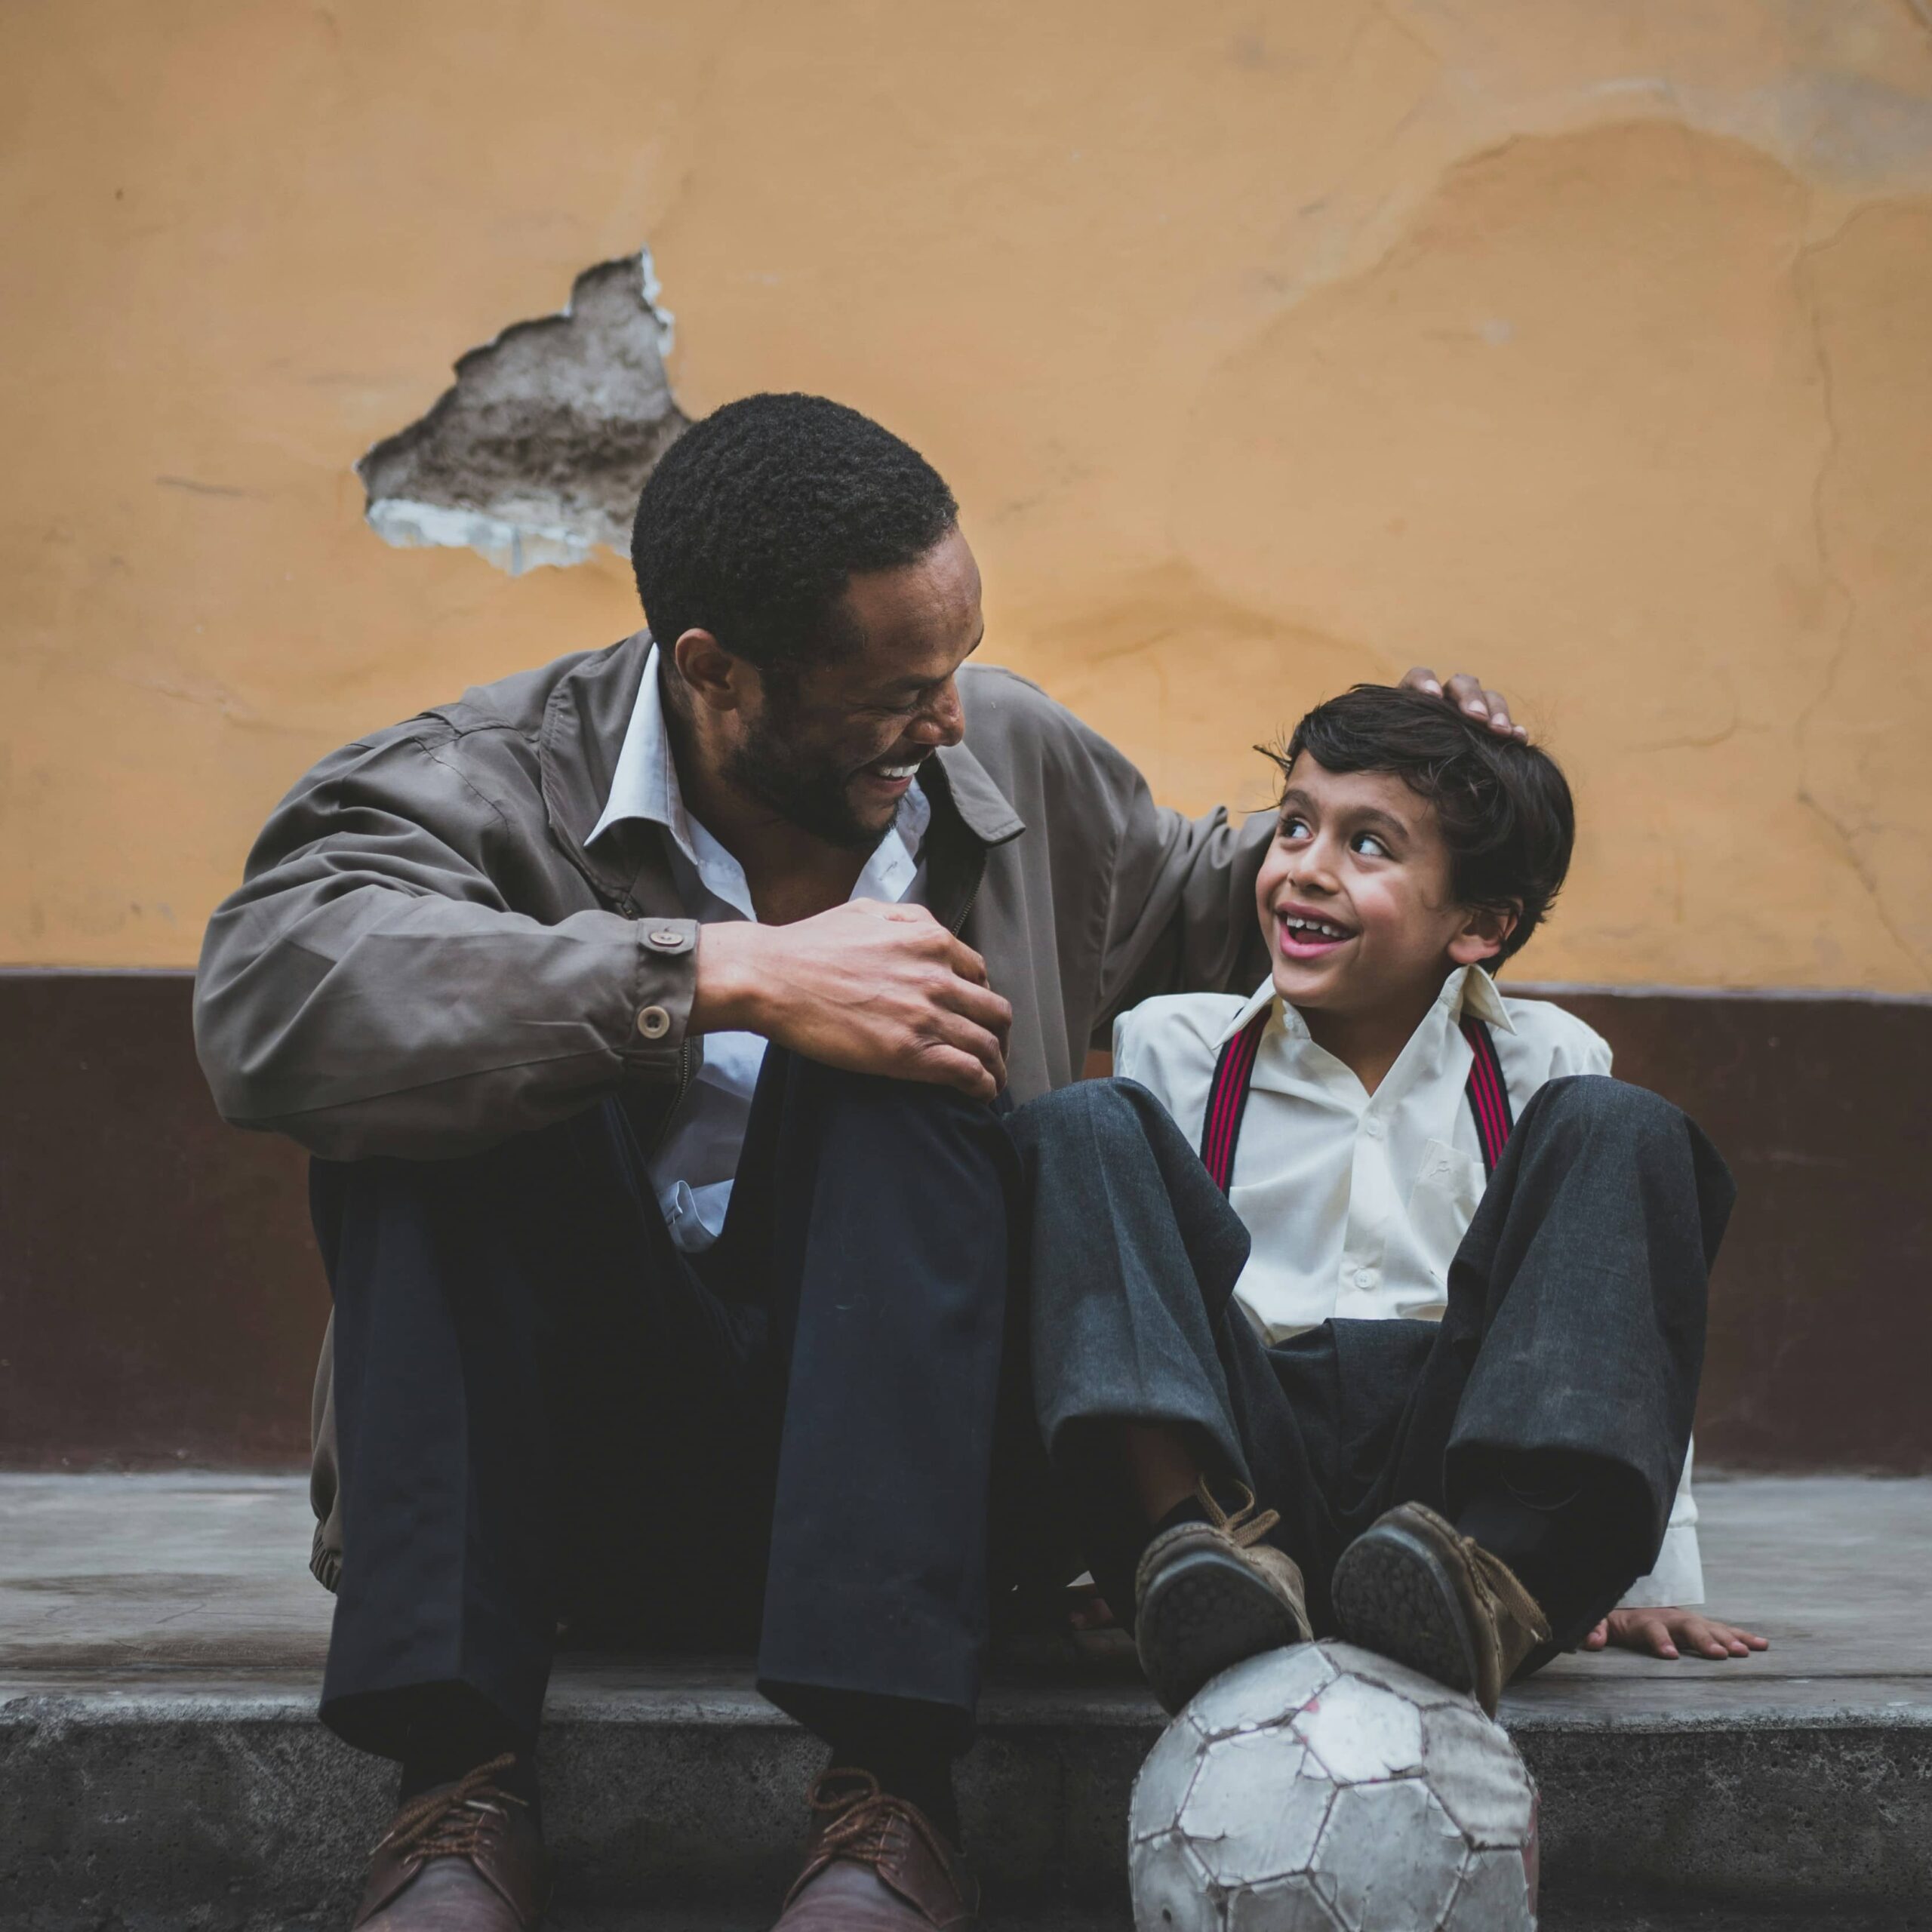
1583, 1107
1104, 1111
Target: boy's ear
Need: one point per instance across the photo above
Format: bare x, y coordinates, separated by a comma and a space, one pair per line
1484, 934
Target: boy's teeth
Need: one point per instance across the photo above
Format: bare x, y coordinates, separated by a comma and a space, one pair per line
1320, 927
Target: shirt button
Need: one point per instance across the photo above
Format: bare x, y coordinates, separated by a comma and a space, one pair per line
653, 1022
1365, 1277
1373, 1127
667, 939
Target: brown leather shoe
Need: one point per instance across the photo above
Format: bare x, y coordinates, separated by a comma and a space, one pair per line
1411, 1588
463, 1857
1208, 1595
876, 1863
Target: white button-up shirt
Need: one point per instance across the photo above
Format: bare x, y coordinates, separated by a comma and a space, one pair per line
692, 1170
1358, 1202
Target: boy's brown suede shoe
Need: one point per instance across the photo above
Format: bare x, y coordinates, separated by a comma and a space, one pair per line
1411, 1588
876, 1863
1208, 1595
462, 1857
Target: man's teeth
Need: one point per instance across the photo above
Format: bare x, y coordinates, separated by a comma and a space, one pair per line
1321, 928
897, 771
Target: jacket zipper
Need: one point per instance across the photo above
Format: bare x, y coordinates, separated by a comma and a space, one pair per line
677, 1097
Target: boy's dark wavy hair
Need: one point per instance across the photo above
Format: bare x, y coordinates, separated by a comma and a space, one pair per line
1504, 806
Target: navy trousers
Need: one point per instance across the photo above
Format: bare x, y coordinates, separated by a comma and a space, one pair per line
549, 1415
1573, 1341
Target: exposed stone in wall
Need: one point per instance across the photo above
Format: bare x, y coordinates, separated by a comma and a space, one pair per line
537, 454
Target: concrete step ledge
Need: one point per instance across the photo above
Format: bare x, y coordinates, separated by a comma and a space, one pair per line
685, 1792
160, 1766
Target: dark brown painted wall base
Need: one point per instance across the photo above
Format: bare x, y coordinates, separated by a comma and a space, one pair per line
160, 1298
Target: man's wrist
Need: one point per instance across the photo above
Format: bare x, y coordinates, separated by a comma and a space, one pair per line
731, 994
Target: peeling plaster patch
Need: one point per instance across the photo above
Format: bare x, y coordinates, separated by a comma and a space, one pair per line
537, 453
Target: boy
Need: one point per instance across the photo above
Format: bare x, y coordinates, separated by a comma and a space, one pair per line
1410, 1350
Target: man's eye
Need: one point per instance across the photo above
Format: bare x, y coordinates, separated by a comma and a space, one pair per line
1368, 845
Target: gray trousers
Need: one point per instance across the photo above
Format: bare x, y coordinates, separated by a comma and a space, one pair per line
1573, 1336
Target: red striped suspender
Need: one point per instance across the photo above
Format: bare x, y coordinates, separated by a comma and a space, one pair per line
1227, 1099
1489, 1095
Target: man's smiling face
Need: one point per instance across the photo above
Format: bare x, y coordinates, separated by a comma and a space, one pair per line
833, 748
1355, 895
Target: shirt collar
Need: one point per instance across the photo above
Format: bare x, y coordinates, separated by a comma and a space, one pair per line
645, 783
1471, 991
1468, 990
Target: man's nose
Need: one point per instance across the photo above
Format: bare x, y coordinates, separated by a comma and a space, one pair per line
942, 722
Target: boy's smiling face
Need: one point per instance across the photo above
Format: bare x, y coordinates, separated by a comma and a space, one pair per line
1356, 896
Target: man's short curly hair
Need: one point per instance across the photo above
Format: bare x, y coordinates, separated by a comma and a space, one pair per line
757, 518
1504, 806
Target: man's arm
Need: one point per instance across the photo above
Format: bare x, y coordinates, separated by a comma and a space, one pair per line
368, 990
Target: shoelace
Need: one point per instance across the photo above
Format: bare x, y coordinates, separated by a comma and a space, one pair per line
1244, 1526
861, 1817
451, 1823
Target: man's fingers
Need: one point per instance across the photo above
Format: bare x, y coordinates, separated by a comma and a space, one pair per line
1470, 696
1599, 1637
956, 1033
983, 1007
944, 1064
1500, 722
964, 961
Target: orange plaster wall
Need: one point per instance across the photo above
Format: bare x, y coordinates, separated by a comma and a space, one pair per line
1268, 347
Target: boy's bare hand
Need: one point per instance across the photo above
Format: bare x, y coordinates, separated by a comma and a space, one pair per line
1466, 692
1669, 1631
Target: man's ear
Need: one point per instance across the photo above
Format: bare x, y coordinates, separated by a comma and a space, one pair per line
713, 676
1485, 933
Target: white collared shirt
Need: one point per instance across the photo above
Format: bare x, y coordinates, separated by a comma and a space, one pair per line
692, 1170
1358, 1202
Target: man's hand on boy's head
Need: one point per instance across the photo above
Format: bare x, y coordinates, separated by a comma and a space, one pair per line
1671, 1631
1467, 694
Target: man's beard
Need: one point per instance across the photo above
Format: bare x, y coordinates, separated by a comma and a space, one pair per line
809, 791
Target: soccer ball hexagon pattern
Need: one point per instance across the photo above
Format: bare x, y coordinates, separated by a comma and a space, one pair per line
1322, 1789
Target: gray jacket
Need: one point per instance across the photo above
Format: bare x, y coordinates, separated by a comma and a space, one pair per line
423, 958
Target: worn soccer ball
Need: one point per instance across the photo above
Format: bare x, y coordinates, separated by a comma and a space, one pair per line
1322, 1789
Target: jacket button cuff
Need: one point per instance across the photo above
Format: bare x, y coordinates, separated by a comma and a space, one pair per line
668, 939
653, 1022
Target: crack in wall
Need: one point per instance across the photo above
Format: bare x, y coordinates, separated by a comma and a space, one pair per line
536, 454
1845, 831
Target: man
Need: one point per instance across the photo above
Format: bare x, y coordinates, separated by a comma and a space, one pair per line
645, 1014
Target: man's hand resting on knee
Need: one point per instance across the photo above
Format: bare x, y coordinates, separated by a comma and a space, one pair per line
1669, 1631
869, 987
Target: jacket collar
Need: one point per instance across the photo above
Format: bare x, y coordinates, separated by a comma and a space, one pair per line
582, 736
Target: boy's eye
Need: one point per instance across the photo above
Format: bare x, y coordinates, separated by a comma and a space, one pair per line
1293, 827
1368, 845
